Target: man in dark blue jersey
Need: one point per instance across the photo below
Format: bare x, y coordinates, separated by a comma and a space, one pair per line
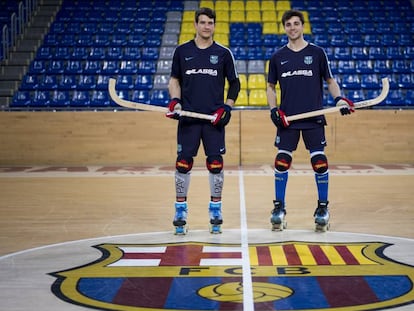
300, 68
199, 70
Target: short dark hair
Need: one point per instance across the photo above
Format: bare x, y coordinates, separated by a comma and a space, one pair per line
205, 11
289, 14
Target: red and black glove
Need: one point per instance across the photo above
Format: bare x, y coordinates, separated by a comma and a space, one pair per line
279, 118
223, 115
347, 106
174, 108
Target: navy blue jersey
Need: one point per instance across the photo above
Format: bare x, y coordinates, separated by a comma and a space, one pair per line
300, 75
202, 74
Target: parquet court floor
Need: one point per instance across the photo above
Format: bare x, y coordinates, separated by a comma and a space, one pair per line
54, 220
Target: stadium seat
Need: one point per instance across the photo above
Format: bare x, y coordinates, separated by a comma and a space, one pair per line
161, 81
351, 81
143, 82
147, 67
237, 16
256, 66
30, 82
355, 95
141, 96
364, 66
80, 98
21, 99
406, 81
131, 53
92, 67
67, 82
166, 52
164, 66
252, 5
102, 82
237, 5
241, 66
86, 82
37, 66
128, 67
48, 82
346, 66
44, 52
377, 52
410, 97
395, 98
99, 98
382, 66
222, 5
253, 16
401, 66
267, 5
110, 67
114, 52
342, 53
256, 81
159, 97
60, 99
96, 52
257, 97
56, 66
41, 99
359, 52
150, 53
243, 98
369, 81
124, 82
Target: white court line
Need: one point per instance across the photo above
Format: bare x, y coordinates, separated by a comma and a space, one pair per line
248, 303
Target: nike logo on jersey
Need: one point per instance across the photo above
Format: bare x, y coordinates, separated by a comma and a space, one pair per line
188, 58
284, 62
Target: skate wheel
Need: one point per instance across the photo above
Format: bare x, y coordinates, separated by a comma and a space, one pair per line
214, 229
180, 230
279, 227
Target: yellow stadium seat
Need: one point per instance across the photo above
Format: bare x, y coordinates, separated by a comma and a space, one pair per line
253, 17
256, 81
252, 5
242, 99
269, 16
307, 29
282, 5
267, 5
305, 16
267, 66
222, 38
206, 4
188, 16
184, 37
243, 81
222, 16
270, 28
187, 27
237, 16
222, 5
257, 98
237, 5
222, 27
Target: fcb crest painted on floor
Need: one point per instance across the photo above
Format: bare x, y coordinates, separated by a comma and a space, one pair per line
203, 276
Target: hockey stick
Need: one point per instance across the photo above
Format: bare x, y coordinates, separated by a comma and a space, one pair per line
133, 105
357, 105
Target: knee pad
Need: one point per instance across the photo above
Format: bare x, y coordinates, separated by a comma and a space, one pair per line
184, 165
319, 163
283, 161
214, 164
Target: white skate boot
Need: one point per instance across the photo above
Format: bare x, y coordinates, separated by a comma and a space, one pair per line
180, 218
322, 217
216, 220
278, 216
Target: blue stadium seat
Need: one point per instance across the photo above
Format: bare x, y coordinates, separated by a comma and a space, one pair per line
48, 82
355, 95
56, 66
401, 66
359, 52
30, 82
67, 82
92, 67
86, 39
147, 67
141, 96
110, 67
410, 97
73, 67
99, 98
80, 98
342, 53
41, 98
150, 53
61, 52
406, 81
369, 81
394, 52
377, 52
79, 52
102, 82
382, 66
86, 82
44, 52
346, 66
98, 40
143, 82
395, 98
351, 81
21, 99
356, 40
119, 39
114, 52
37, 66
160, 97
124, 82
128, 67
60, 99
97, 52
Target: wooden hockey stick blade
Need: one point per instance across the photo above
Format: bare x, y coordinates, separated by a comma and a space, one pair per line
133, 105
357, 105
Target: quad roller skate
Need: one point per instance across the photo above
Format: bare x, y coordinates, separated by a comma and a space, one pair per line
322, 217
278, 216
216, 219
180, 218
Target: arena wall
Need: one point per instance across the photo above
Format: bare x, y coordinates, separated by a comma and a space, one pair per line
135, 138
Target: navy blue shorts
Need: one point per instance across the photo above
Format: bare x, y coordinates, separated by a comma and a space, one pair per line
190, 135
288, 139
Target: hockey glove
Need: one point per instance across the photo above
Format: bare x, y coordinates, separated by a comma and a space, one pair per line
348, 105
279, 118
222, 116
174, 108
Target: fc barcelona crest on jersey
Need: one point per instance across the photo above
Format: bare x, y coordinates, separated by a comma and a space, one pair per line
202, 276
308, 60
214, 59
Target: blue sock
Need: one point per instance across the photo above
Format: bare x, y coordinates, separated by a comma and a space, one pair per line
322, 183
280, 185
